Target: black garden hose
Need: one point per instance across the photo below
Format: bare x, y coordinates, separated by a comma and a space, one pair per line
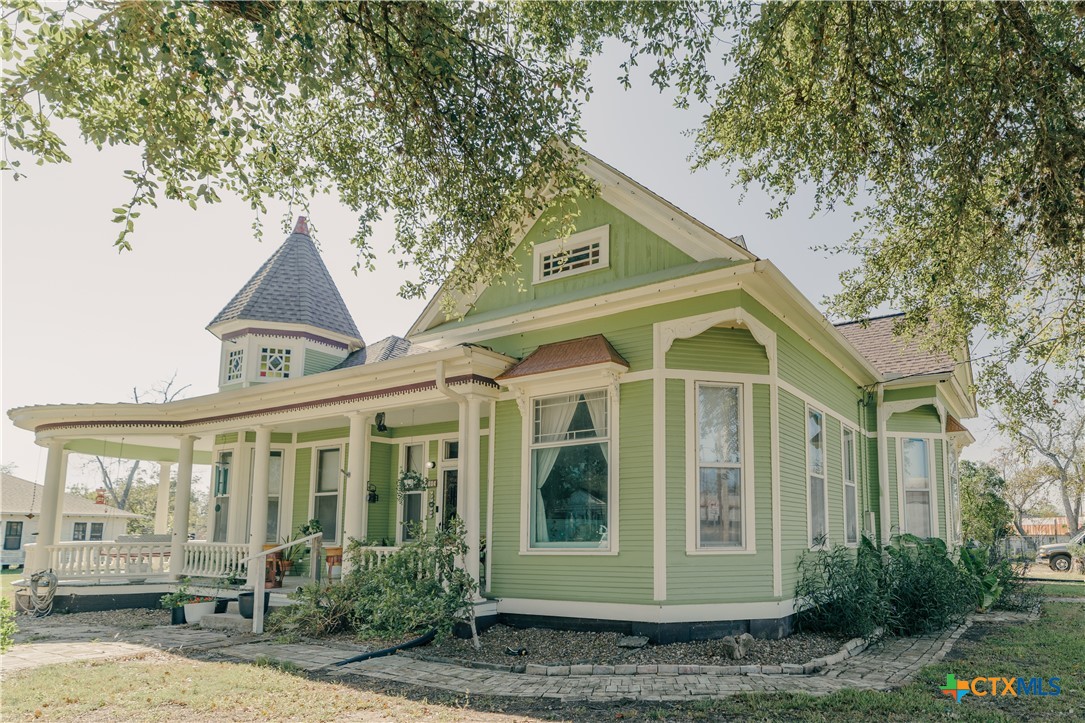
417, 642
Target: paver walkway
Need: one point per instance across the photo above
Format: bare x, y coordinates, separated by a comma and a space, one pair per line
880, 667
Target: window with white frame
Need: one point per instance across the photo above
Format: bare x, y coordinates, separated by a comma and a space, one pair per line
274, 490
326, 492
235, 365
953, 513
13, 534
579, 253
79, 532
274, 363
719, 466
96, 531
569, 501
851, 497
412, 504
815, 468
222, 497
916, 471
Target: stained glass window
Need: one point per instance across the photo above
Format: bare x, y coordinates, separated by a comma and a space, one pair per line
274, 363
235, 365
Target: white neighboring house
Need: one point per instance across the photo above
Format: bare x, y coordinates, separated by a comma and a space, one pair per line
20, 512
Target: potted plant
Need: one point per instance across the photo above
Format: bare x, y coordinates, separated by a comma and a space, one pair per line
411, 481
291, 556
197, 607
232, 582
246, 602
176, 600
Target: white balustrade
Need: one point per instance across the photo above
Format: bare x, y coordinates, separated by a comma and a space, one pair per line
214, 559
376, 558
109, 559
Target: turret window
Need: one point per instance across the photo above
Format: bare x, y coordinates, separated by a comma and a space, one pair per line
274, 363
235, 365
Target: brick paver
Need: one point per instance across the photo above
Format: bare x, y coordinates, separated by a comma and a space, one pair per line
887, 665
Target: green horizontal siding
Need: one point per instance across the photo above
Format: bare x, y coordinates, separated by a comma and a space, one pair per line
303, 459
324, 435
895, 525
317, 361
626, 577
719, 350
228, 438
793, 484
634, 251
909, 393
380, 476
921, 419
723, 578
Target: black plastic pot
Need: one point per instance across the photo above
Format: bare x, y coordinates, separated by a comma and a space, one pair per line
177, 615
246, 603
222, 603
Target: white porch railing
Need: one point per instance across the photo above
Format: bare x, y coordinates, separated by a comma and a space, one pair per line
109, 559
214, 559
380, 554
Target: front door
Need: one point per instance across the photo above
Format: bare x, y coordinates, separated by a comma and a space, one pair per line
450, 476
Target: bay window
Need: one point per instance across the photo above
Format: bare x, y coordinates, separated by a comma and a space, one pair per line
719, 466
917, 487
569, 500
815, 467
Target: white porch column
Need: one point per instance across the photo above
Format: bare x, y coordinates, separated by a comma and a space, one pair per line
356, 504
60, 502
258, 519
181, 502
470, 459
48, 532
162, 506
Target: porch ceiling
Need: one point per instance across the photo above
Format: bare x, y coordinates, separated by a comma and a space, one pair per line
149, 447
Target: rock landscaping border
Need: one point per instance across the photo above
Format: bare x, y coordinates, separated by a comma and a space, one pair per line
811, 667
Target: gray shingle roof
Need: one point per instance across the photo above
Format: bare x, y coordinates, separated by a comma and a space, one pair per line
392, 347
293, 286
892, 355
21, 497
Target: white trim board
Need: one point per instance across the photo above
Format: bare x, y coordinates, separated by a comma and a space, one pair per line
768, 610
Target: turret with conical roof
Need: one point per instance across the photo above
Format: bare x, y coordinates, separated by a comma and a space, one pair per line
289, 320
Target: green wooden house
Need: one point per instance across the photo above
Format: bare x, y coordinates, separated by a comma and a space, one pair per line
645, 427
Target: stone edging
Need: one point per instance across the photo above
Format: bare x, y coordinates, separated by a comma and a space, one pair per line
850, 648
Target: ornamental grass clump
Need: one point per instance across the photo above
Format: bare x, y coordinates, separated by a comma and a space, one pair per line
421, 587
842, 591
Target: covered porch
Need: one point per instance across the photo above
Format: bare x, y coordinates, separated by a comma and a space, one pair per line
328, 448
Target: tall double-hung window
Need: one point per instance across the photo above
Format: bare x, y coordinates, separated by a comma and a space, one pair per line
326, 493
817, 499
719, 467
570, 446
916, 470
851, 497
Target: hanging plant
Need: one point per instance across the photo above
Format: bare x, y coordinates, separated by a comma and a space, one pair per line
411, 481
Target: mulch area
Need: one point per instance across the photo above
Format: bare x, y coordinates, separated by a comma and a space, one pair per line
560, 647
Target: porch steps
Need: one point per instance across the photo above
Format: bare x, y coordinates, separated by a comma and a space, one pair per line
232, 620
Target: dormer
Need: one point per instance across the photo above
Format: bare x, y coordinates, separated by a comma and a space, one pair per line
288, 321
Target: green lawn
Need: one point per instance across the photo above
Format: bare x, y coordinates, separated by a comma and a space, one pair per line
8, 576
166, 687
1061, 589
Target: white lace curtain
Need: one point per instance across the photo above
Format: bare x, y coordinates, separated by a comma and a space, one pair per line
553, 419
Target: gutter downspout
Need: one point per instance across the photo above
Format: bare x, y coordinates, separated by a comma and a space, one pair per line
883, 469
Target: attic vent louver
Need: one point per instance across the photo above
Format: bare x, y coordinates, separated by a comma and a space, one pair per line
581, 252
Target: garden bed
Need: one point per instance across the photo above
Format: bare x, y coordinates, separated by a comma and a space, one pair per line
562, 648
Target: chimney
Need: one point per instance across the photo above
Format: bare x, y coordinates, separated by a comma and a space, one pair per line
99, 496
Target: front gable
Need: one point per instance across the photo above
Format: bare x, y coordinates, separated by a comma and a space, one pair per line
631, 251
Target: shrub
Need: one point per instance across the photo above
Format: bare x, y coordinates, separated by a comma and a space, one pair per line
841, 590
7, 625
910, 587
418, 588
927, 590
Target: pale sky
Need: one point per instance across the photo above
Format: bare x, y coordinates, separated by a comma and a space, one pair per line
82, 323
